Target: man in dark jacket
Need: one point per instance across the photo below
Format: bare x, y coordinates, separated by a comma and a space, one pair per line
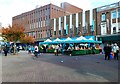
5, 50
107, 50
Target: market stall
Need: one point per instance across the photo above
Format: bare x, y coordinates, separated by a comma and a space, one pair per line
77, 48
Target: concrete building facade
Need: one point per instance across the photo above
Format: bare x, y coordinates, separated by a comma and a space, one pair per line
67, 26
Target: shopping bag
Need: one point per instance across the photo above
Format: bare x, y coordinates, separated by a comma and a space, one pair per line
111, 56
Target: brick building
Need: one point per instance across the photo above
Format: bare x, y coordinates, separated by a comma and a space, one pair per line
107, 23
68, 20
37, 22
102, 22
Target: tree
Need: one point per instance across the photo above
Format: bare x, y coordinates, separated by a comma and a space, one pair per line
27, 39
13, 33
16, 33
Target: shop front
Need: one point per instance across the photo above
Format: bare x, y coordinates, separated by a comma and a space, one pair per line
111, 39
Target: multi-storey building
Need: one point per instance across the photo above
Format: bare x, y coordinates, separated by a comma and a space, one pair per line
102, 22
37, 22
107, 22
67, 26
68, 20
73, 25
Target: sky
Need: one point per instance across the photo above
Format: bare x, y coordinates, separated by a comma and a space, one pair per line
11, 8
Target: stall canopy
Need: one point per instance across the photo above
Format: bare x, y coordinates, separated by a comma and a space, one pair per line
68, 40
81, 39
57, 40
48, 41
91, 39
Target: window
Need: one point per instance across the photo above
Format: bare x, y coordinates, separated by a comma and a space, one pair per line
64, 32
113, 15
41, 35
114, 29
60, 32
103, 18
55, 33
118, 13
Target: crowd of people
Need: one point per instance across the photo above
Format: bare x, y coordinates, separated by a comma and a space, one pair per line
108, 49
111, 50
8, 48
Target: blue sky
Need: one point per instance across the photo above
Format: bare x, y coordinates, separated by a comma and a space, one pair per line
10, 8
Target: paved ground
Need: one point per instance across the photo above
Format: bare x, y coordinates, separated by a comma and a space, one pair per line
49, 68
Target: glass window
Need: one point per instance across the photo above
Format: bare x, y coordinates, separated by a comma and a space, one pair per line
64, 32
60, 32
103, 18
55, 33
118, 13
113, 15
114, 29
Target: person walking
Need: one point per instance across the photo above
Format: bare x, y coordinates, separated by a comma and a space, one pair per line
93, 49
36, 51
115, 50
57, 50
5, 50
107, 50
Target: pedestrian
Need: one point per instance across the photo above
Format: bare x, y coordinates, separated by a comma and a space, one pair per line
57, 50
36, 51
93, 49
32, 49
18, 48
115, 50
69, 50
107, 50
29, 49
5, 50
44, 49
